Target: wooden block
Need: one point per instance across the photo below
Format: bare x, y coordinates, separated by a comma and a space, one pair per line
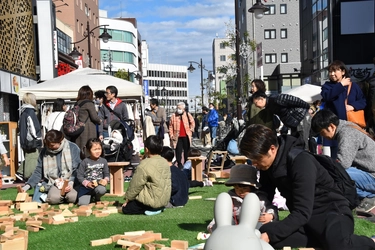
32, 229
128, 243
168, 248
156, 236
70, 204
66, 212
58, 217
180, 244
5, 202
58, 222
95, 183
4, 219
195, 197
287, 248
101, 214
144, 240
29, 199
18, 243
84, 212
101, 242
63, 206
44, 206
72, 219
116, 237
110, 210
33, 222
149, 247
22, 197
46, 220
25, 236
35, 211
135, 233
164, 239
134, 248
99, 206
62, 191
25, 206
84, 207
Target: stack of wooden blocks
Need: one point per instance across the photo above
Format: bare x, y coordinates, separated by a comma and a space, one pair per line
13, 237
135, 240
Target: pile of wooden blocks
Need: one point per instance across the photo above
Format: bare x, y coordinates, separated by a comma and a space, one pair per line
13, 237
135, 240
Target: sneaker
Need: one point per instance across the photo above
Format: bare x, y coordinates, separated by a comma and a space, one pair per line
207, 183
148, 212
366, 205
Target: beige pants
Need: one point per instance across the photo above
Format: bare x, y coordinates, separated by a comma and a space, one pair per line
54, 197
206, 138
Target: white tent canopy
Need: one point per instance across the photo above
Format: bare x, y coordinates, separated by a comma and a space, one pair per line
67, 86
307, 92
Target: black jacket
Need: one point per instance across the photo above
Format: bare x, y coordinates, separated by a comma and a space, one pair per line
299, 183
180, 187
290, 109
29, 126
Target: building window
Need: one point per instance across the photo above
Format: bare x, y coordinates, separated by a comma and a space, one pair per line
283, 33
222, 58
272, 10
284, 57
270, 58
222, 45
63, 42
283, 9
325, 34
269, 34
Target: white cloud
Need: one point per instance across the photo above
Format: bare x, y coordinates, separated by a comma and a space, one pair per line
177, 31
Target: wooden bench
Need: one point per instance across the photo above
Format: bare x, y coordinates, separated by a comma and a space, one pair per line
116, 178
197, 167
239, 159
217, 170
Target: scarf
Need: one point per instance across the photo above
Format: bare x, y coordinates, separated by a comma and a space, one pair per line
52, 168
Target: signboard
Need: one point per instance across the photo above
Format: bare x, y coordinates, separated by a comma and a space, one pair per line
259, 55
55, 51
79, 62
145, 87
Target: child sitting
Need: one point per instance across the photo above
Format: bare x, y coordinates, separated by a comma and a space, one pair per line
244, 180
180, 183
149, 190
92, 174
187, 170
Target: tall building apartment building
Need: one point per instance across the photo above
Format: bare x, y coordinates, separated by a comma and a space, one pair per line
164, 82
221, 57
278, 33
82, 16
124, 50
337, 30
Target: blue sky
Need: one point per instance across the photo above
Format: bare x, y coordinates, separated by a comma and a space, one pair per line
177, 31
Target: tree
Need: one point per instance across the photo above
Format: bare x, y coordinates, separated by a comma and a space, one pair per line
123, 74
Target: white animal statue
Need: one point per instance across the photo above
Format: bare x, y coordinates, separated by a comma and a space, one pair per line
242, 236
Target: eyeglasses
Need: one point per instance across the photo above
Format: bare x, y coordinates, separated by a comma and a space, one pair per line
108, 93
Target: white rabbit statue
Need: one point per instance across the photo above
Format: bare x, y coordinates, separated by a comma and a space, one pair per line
240, 237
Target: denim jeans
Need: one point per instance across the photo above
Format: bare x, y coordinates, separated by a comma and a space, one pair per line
213, 132
365, 182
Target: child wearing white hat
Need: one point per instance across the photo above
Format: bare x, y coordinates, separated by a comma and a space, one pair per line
243, 178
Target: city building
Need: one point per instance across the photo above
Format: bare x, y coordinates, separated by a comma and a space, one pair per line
18, 61
277, 58
124, 50
167, 83
82, 17
221, 57
337, 30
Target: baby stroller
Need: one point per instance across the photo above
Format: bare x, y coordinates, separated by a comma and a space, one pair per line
218, 158
118, 146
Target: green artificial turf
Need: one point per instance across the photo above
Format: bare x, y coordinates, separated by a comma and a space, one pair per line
175, 224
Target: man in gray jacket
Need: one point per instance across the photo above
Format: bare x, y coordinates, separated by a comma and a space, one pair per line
355, 153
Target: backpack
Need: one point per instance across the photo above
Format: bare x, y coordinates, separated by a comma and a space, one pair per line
339, 175
72, 126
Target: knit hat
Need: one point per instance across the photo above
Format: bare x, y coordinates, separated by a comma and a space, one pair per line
243, 174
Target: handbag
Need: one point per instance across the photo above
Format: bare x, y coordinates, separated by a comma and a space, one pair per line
355, 116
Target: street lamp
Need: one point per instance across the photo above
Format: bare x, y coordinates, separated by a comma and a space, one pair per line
104, 36
137, 76
258, 9
201, 66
